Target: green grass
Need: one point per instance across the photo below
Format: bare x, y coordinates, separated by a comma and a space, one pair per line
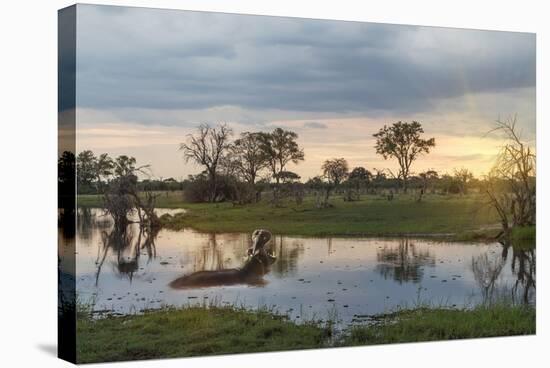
164, 200
453, 215
445, 324
524, 234
437, 215
192, 331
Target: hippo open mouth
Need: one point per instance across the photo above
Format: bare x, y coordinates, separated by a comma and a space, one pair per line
260, 238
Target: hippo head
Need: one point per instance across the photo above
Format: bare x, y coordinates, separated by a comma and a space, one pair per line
260, 237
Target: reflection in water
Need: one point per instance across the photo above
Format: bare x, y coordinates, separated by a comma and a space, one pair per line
486, 273
128, 251
524, 267
210, 257
288, 254
487, 270
403, 262
355, 276
85, 222
88, 219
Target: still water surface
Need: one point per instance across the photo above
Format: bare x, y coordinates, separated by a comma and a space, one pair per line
311, 277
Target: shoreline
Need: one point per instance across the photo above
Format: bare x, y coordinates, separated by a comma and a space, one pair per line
229, 330
369, 218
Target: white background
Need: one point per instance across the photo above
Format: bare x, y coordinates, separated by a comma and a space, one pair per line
28, 118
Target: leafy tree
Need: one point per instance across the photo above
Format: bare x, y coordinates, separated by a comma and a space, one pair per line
66, 168
280, 148
431, 175
448, 184
334, 171
358, 178
463, 177
125, 165
66, 182
426, 179
249, 156
85, 168
103, 168
361, 174
403, 142
288, 176
207, 148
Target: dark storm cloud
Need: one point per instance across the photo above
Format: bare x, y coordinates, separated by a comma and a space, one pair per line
161, 59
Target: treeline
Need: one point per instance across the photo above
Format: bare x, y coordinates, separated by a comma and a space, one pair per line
241, 170
257, 164
95, 173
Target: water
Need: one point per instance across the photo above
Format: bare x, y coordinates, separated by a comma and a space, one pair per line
311, 277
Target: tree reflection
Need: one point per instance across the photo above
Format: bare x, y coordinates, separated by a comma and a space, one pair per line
127, 247
287, 256
524, 268
404, 262
487, 272
210, 256
84, 221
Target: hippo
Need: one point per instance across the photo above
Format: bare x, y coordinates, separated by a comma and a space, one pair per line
251, 273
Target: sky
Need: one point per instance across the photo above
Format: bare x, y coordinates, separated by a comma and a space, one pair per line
145, 78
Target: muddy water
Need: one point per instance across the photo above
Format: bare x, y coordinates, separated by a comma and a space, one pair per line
311, 277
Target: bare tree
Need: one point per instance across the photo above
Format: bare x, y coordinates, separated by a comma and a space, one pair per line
207, 148
403, 142
511, 184
122, 197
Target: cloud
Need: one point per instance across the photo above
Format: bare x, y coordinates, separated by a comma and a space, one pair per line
162, 59
147, 77
315, 125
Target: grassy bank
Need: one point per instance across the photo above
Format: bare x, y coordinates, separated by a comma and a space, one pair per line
198, 331
445, 324
436, 215
462, 217
191, 332
164, 200
525, 234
